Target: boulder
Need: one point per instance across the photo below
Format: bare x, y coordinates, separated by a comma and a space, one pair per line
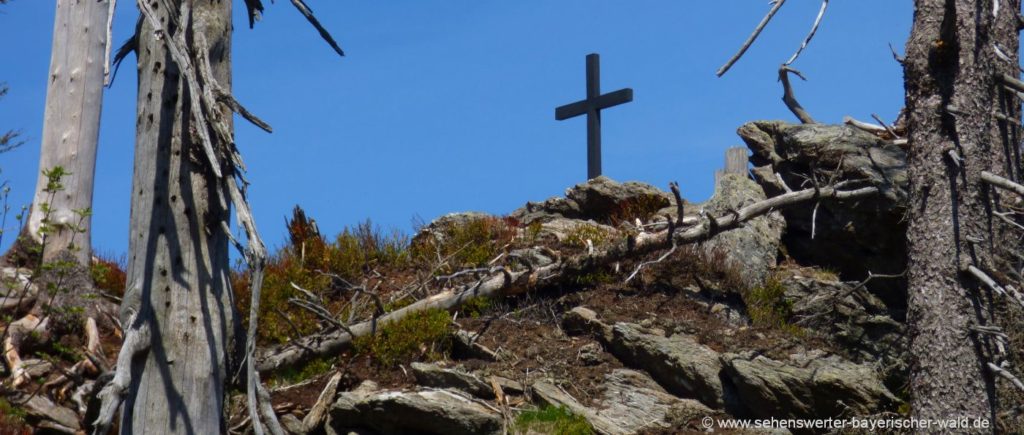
679, 363
809, 385
850, 237
427, 411
437, 229
601, 199
630, 403
432, 375
753, 247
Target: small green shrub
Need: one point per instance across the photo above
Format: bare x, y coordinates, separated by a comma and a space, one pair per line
476, 306
470, 244
425, 334
294, 375
768, 307
581, 233
551, 420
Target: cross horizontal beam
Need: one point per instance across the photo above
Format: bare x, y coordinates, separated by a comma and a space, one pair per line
605, 101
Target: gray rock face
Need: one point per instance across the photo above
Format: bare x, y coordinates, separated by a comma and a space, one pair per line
852, 238
432, 375
853, 318
680, 364
636, 403
752, 248
808, 385
598, 199
425, 412
631, 403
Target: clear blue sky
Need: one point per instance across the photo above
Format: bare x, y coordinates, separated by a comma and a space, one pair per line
446, 106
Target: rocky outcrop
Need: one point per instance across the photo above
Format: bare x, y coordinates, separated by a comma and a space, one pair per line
851, 317
679, 363
426, 411
808, 385
600, 199
432, 375
852, 238
630, 403
753, 247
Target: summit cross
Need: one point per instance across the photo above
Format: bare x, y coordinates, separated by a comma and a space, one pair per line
592, 107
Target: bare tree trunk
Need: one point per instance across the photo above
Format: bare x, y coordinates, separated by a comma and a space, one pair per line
953, 61
178, 253
74, 99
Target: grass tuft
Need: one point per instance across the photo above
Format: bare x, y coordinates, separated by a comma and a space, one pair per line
555, 420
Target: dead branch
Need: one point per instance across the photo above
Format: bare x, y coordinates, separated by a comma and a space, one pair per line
1001, 182
508, 282
1006, 375
137, 340
866, 126
776, 4
992, 284
308, 13
789, 98
814, 29
109, 42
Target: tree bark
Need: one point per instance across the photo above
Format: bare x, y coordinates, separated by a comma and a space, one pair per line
71, 126
178, 251
952, 94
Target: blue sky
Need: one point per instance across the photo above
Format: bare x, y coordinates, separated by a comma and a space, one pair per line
443, 106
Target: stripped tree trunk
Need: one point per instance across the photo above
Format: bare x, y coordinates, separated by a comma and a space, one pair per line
74, 99
178, 251
956, 51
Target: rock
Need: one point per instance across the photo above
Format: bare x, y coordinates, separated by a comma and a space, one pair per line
630, 403
561, 229
807, 386
38, 406
850, 237
752, 248
35, 368
639, 405
292, 424
591, 354
437, 228
583, 320
600, 199
425, 411
680, 364
432, 375
851, 317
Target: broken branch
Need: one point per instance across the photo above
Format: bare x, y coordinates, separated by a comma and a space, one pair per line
776, 4
789, 98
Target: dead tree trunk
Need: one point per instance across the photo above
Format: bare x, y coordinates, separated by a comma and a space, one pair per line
178, 252
954, 57
74, 99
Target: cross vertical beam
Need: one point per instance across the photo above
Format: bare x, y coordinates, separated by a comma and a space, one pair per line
592, 107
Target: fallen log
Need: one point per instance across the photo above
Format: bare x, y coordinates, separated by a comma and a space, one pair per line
503, 281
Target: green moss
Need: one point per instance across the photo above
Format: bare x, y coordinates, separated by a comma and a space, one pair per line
424, 334
594, 276
294, 375
551, 420
768, 307
581, 233
476, 306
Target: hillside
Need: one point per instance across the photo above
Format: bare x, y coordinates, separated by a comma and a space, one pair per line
618, 308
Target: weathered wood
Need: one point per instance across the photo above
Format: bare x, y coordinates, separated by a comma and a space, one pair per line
178, 253
735, 163
71, 125
592, 106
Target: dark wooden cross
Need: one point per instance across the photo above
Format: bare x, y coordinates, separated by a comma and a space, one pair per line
592, 108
